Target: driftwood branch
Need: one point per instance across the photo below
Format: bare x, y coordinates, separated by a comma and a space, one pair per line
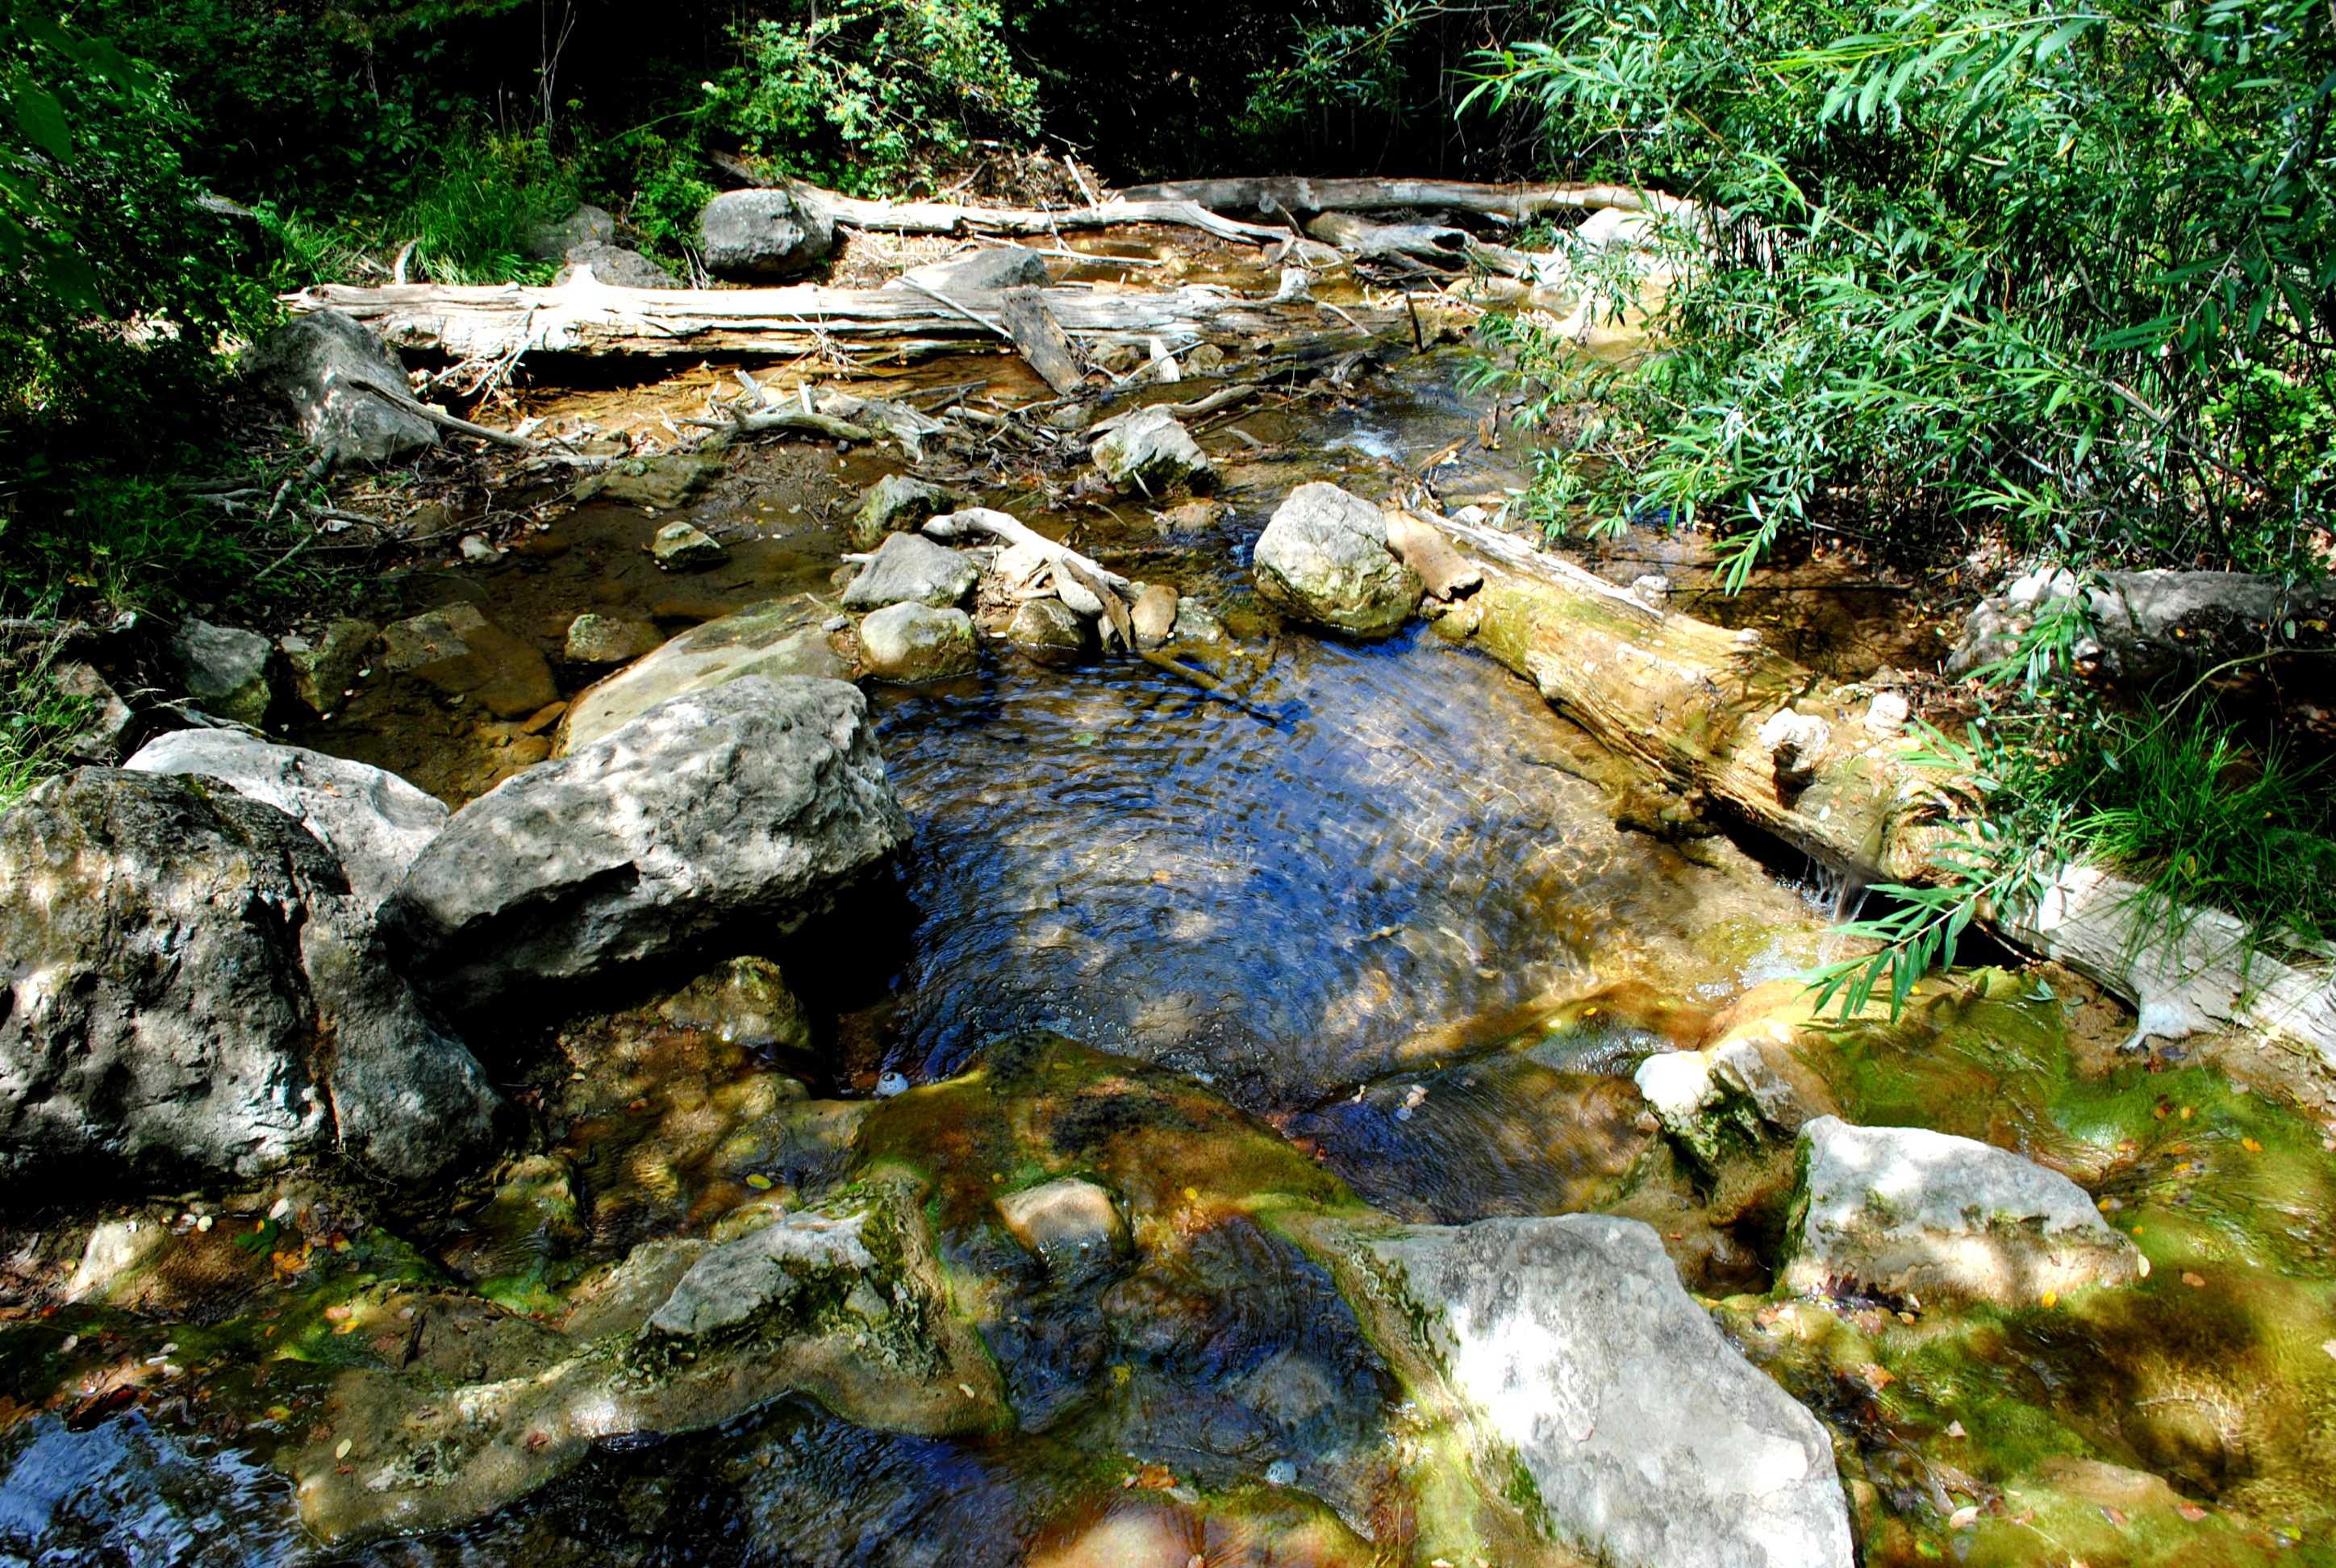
1008, 529
1518, 203
756, 424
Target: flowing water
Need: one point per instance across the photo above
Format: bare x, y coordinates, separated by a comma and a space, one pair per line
1374, 893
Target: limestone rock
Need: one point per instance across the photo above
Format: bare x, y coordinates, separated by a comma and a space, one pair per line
778, 637
1066, 1221
325, 670
1649, 1438
114, 1253
1046, 632
1150, 452
756, 801
1324, 557
983, 271
743, 1279
684, 547
745, 1002
194, 992
1196, 623
225, 668
610, 639
374, 823
615, 267
464, 654
898, 502
752, 235
587, 226
1154, 616
908, 568
1916, 1212
911, 642
314, 366
1744, 1094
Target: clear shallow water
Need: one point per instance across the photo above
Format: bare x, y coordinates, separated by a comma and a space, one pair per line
1380, 857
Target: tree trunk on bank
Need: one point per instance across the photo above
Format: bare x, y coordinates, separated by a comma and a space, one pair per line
1696, 707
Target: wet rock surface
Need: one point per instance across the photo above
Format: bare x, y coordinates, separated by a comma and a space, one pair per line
910, 642
465, 655
910, 569
757, 799
179, 959
775, 638
374, 823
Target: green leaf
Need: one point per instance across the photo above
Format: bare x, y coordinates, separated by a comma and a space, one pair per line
42, 119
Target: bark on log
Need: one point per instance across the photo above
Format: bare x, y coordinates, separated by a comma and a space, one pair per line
592, 318
1292, 194
1699, 707
1040, 339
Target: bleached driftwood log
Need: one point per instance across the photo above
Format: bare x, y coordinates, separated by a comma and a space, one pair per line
590, 318
1292, 194
945, 218
1705, 709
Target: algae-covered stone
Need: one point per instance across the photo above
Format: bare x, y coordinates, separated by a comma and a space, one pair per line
779, 636
375, 822
1912, 1212
1324, 557
745, 1002
898, 502
1648, 1438
667, 480
1747, 1091
912, 642
684, 547
738, 1280
325, 668
225, 668
610, 639
1066, 1220
910, 569
1150, 452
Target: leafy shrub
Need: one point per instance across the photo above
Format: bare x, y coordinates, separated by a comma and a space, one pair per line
2064, 269
866, 94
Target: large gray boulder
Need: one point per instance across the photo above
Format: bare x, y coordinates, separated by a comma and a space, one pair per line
614, 266
752, 802
748, 235
910, 569
374, 823
1647, 1438
1910, 1212
192, 992
225, 669
778, 637
1324, 557
317, 367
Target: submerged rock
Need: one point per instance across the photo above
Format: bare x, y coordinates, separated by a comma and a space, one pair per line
669, 480
610, 639
763, 1270
1648, 1438
317, 367
465, 655
1066, 1220
745, 1002
195, 992
225, 668
779, 636
1910, 1212
1153, 615
373, 822
896, 503
1324, 557
908, 568
911, 642
325, 671
1150, 452
751, 235
756, 800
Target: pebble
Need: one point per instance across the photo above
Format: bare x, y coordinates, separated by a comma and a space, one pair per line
1281, 1473
477, 550
892, 1084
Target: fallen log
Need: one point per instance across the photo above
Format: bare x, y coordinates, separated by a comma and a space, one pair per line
946, 217
1710, 713
1040, 340
1293, 195
593, 318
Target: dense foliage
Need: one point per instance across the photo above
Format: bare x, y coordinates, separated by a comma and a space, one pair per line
2065, 268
